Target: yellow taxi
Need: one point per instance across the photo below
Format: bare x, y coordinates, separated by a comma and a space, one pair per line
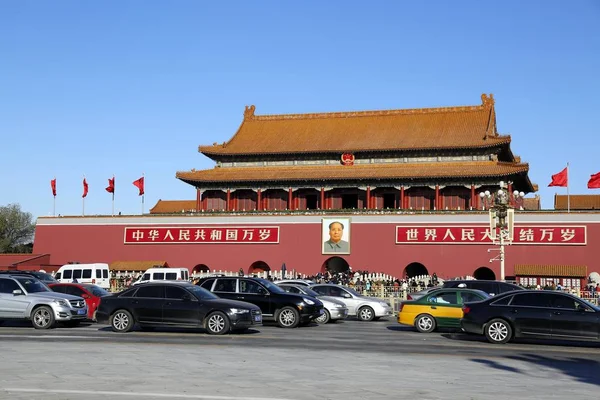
441, 308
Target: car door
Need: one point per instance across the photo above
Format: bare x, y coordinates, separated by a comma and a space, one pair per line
445, 307
573, 319
11, 305
532, 313
180, 307
226, 288
253, 292
147, 304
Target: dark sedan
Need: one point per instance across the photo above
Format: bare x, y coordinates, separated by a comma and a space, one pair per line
532, 314
180, 304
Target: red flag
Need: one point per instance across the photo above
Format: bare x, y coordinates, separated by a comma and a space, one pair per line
560, 179
111, 185
594, 182
53, 186
85, 188
140, 185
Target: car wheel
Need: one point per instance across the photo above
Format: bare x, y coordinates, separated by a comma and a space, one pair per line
425, 323
121, 321
217, 323
42, 318
288, 317
324, 318
498, 331
366, 314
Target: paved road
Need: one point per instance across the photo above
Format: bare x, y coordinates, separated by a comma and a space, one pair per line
349, 360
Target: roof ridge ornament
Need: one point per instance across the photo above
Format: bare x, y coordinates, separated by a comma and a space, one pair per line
487, 101
249, 112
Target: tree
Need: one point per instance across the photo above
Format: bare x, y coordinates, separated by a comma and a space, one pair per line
16, 229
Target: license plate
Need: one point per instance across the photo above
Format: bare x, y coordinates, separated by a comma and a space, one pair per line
80, 312
257, 318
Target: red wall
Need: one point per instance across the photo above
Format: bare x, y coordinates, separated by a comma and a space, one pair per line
373, 248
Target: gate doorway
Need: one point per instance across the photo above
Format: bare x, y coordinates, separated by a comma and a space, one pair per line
258, 266
200, 268
349, 201
335, 265
484, 273
415, 269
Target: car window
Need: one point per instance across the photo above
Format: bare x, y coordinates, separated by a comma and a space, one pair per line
57, 276
507, 287
105, 274
226, 285
76, 274
98, 273
291, 289
59, 288
468, 297
172, 292
146, 277
207, 284
503, 301
74, 290
87, 273
450, 284
171, 276
67, 274
336, 291
8, 285
564, 302
443, 298
532, 300
487, 287
251, 287
150, 291
322, 290
158, 276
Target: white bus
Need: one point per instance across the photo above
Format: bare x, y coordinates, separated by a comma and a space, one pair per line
97, 274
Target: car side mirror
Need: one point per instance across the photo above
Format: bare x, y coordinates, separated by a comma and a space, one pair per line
17, 292
581, 308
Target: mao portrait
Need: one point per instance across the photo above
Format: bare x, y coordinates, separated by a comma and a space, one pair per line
335, 235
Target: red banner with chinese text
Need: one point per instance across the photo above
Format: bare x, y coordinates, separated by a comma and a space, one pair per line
527, 234
202, 234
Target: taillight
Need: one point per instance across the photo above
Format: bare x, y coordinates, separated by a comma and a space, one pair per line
466, 309
401, 306
93, 281
408, 297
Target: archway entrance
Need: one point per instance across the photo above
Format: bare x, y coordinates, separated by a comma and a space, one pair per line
415, 269
200, 268
484, 273
335, 265
258, 266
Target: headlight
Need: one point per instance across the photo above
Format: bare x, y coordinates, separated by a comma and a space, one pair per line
63, 303
239, 310
308, 301
385, 304
335, 305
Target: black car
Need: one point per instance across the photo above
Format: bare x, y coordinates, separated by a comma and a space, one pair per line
492, 288
42, 276
532, 313
181, 304
287, 309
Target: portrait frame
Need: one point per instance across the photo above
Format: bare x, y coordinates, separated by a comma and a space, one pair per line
326, 247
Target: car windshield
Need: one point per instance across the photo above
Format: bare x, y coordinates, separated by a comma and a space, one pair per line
309, 292
97, 291
43, 276
587, 303
201, 293
270, 285
354, 292
33, 285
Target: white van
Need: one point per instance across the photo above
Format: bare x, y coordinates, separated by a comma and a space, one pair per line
162, 274
97, 274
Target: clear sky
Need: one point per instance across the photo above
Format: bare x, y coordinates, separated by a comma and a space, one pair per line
131, 87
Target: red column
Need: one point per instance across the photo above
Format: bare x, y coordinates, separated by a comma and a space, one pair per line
322, 205
402, 201
290, 199
198, 199
510, 193
258, 200
437, 197
368, 197
228, 200
473, 198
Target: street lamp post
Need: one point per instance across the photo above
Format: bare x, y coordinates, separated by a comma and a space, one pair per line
501, 218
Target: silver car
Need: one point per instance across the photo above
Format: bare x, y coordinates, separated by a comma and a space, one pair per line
363, 307
26, 298
334, 308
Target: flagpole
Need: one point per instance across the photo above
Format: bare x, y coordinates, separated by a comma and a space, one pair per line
113, 196
143, 176
83, 201
54, 207
568, 196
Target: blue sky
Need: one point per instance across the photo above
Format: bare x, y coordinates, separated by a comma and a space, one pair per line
132, 87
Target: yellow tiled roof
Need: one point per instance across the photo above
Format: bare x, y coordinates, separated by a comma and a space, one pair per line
173, 206
577, 202
361, 171
135, 265
411, 129
556, 271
